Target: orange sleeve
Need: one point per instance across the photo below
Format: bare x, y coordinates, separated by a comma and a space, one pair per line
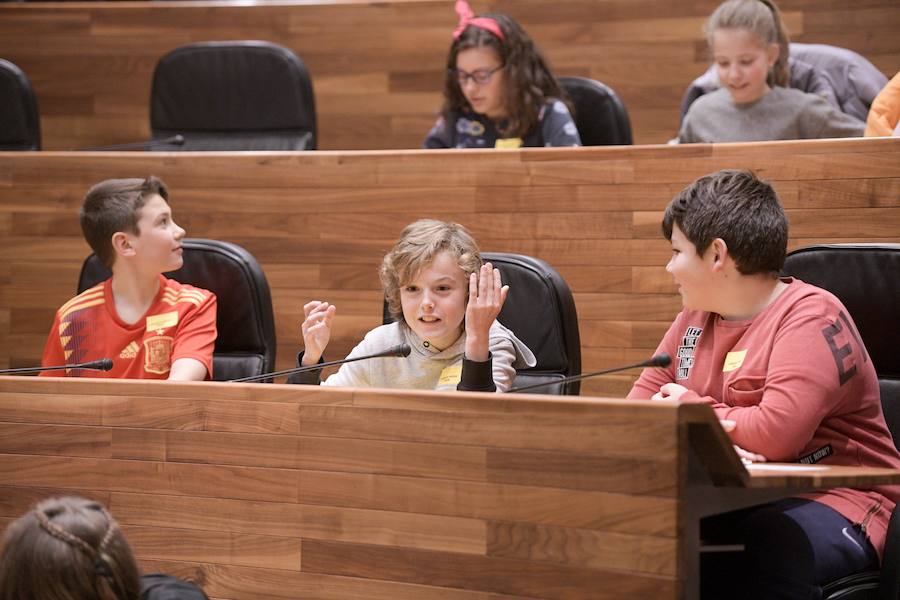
885, 111
53, 353
196, 336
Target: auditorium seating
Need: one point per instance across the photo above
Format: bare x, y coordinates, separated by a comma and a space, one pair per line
20, 127
866, 279
600, 116
242, 95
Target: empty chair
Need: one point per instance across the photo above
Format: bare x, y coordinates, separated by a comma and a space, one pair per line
600, 116
245, 344
20, 125
541, 312
245, 95
866, 279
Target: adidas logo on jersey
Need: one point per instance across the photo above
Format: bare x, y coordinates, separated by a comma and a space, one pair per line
130, 351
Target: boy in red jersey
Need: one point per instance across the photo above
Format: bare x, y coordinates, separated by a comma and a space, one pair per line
781, 361
150, 326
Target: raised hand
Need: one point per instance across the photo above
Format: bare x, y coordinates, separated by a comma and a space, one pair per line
486, 298
316, 329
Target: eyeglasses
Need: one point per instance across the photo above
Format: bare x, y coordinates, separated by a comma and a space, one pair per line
479, 76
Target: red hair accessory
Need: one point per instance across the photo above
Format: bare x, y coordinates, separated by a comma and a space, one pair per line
467, 18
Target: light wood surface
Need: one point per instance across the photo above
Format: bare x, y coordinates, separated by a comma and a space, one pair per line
272, 491
378, 66
320, 223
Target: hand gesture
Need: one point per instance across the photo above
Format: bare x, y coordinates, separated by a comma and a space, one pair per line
669, 391
316, 330
486, 298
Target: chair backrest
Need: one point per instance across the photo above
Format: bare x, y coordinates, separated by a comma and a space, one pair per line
242, 95
866, 279
245, 344
20, 125
600, 116
856, 81
541, 312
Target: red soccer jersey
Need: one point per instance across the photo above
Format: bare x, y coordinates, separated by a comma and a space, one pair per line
181, 323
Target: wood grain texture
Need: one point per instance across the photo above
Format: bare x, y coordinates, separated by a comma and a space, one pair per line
377, 66
337, 511
379, 517
319, 224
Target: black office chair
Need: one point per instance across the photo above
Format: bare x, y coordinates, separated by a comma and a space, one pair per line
600, 116
541, 312
245, 344
20, 124
866, 279
243, 95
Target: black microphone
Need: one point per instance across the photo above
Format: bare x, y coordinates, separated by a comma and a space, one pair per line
175, 140
660, 360
103, 364
398, 350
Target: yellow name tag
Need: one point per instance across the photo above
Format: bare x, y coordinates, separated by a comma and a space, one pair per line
450, 375
733, 360
508, 143
155, 322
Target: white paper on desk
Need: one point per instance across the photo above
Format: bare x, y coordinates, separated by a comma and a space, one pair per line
789, 468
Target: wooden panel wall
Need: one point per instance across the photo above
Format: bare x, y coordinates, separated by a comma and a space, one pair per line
264, 492
319, 223
378, 66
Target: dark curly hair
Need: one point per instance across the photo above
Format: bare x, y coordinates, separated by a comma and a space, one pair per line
529, 81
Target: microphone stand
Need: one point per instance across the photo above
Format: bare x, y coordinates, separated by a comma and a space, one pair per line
175, 140
401, 350
94, 365
660, 360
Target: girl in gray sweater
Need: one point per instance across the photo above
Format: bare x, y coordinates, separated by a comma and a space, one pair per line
750, 48
445, 303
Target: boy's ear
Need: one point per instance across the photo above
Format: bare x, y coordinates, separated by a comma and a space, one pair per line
121, 243
719, 253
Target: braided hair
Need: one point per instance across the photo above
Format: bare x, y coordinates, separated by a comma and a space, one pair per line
67, 549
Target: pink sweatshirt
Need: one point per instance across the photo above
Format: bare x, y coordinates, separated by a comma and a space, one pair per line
797, 380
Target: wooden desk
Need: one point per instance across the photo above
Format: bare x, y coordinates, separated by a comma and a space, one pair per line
319, 223
378, 66
296, 492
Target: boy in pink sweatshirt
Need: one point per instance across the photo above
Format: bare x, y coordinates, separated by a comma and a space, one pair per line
782, 360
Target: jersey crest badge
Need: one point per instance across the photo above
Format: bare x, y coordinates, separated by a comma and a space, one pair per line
158, 354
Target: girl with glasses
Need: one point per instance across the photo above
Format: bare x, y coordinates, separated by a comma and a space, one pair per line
499, 91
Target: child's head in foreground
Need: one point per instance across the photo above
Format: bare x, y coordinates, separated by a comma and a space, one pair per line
495, 69
426, 278
731, 210
67, 549
750, 48
118, 214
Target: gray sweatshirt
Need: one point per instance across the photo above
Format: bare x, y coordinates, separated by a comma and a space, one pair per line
427, 368
782, 114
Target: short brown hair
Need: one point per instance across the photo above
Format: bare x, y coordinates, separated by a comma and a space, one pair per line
739, 208
67, 549
419, 243
114, 205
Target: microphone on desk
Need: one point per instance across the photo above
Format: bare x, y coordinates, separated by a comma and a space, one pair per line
175, 140
398, 350
103, 364
659, 360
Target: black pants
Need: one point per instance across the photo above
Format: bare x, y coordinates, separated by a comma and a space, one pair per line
792, 548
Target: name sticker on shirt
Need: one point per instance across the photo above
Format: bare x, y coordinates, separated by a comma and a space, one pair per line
450, 375
508, 143
733, 360
162, 321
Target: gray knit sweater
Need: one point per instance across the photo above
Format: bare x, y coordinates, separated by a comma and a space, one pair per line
782, 114
427, 368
